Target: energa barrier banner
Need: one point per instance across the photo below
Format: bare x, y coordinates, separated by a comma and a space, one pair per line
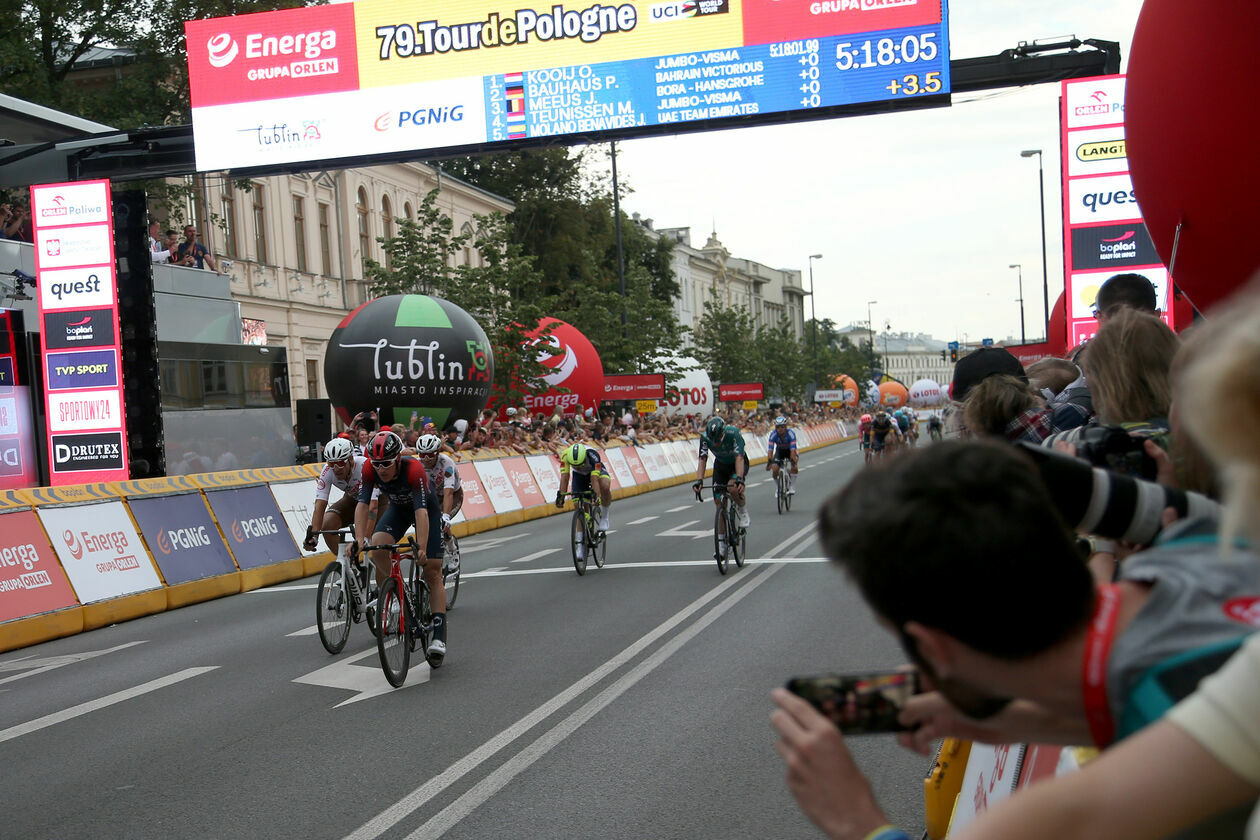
31, 582
100, 551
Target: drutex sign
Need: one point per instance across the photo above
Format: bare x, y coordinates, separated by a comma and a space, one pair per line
390, 76
74, 259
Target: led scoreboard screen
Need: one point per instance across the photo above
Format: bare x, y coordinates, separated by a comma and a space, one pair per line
388, 77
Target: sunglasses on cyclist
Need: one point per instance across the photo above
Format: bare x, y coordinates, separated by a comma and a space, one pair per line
380, 465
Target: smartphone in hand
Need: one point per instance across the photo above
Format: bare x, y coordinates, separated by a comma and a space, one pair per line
859, 704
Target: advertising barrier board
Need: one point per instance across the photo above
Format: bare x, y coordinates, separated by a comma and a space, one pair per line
522, 481
296, 500
497, 486
182, 537
616, 461
476, 501
546, 473
631, 454
100, 550
31, 582
254, 528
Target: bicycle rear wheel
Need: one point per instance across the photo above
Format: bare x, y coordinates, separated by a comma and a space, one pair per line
394, 640
721, 545
332, 610
577, 536
450, 580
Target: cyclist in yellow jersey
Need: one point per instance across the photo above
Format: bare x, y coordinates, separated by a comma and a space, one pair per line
587, 468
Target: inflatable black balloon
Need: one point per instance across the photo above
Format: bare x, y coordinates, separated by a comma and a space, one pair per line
409, 356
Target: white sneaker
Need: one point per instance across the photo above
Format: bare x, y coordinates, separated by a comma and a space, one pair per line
437, 647
744, 519
791, 491
603, 523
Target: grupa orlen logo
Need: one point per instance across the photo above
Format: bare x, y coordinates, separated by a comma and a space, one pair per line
222, 50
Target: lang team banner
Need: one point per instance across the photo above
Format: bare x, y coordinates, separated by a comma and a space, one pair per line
390, 76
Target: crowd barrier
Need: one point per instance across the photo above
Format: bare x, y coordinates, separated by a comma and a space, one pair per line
80, 557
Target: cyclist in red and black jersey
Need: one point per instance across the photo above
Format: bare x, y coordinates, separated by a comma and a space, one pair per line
408, 499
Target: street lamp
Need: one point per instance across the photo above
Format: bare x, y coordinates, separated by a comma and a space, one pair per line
870, 329
1022, 338
1045, 281
813, 333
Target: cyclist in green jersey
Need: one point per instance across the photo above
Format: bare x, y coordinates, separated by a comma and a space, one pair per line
730, 464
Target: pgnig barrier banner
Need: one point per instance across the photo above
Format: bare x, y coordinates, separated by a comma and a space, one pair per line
182, 537
253, 525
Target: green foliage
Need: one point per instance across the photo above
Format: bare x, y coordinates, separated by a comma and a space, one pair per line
419, 260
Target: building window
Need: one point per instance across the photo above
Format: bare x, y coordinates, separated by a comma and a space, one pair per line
299, 230
312, 379
260, 225
227, 208
407, 209
325, 240
365, 235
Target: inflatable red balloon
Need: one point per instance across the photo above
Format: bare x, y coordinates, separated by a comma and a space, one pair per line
849, 387
576, 367
1191, 118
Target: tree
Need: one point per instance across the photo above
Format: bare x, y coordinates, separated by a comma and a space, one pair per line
724, 342
496, 293
786, 366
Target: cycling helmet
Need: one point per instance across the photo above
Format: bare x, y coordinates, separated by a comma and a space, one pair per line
715, 428
384, 446
338, 449
429, 445
780, 420
866, 418
574, 455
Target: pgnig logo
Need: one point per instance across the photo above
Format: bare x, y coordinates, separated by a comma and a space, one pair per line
419, 117
222, 49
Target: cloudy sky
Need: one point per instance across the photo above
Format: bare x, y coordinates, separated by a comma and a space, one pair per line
921, 211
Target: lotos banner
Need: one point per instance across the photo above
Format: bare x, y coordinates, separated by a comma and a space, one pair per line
100, 551
255, 529
182, 537
31, 582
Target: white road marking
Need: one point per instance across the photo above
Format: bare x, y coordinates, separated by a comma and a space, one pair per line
419, 797
47, 663
535, 555
680, 531
641, 520
92, 705
491, 571
449, 816
680, 507
305, 631
366, 681
473, 546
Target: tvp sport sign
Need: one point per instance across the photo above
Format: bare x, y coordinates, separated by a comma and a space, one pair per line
74, 258
404, 77
409, 355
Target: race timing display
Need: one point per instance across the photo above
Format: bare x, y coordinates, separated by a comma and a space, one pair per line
389, 77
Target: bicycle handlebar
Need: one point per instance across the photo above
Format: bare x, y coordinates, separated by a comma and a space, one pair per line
348, 530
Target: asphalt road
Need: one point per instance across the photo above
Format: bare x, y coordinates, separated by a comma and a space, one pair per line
629, 703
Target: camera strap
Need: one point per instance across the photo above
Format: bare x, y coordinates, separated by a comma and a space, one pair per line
1098, 642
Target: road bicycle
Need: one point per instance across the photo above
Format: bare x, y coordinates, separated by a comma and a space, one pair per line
726, 522
405, 616
782, 482
341, 597
588, 510
450, 569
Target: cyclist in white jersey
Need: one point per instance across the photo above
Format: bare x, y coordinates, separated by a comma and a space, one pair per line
445, 482
343, 470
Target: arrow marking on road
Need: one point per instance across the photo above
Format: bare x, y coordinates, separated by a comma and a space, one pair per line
366, 681
678, 531
48, 663
471, 547
92, 705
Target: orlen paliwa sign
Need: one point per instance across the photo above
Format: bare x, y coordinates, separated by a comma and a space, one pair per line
73, 230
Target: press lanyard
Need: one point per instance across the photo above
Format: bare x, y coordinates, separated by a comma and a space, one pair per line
1102, 633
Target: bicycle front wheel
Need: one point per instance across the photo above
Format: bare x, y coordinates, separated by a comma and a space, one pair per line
332, 610
450, 580
598, 541
787, 497
394, 637
738, 536
577, 538
721, 545
780, 499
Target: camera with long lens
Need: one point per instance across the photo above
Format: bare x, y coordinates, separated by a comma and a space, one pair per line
1120, 450
1110, 504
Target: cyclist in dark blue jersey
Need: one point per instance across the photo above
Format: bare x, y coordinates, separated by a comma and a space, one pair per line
408, 500
782, 448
